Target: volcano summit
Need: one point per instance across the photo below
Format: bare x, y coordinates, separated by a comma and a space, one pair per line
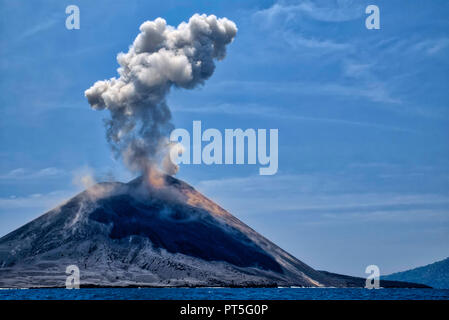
155, 231
136, 234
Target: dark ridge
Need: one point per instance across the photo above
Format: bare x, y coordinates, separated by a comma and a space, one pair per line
360, 282
435, 274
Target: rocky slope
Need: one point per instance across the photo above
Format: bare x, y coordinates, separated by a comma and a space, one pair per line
139, 235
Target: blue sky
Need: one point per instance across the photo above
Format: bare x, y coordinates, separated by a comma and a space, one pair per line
362, 115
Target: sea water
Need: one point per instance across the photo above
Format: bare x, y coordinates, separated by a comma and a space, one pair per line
225, 294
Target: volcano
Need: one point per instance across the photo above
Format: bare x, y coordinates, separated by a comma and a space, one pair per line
139, 235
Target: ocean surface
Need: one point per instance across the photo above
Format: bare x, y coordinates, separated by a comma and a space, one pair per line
225, 294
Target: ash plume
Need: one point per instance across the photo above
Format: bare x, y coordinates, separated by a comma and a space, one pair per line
161, 57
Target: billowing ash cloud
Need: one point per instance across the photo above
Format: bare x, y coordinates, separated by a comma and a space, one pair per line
160, 57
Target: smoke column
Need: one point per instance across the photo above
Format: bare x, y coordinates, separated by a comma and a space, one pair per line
160, 57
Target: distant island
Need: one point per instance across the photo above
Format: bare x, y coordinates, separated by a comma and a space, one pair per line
435, 275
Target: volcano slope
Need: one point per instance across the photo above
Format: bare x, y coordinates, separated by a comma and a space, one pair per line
135, 234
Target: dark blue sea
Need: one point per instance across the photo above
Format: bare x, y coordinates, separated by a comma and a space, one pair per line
225, 294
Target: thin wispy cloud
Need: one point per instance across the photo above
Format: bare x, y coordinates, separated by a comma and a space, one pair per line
38, 28
375, 91
39, 202
18, 210
432, 46
328, 11
298, 41
304, 27
283, 22
357, 70
327, 195
258, 110
24, 174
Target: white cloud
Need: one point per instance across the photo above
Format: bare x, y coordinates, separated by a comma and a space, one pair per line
22, 174
39, 202
357, 70
258, 110
298, 41
288, 23
285, 22
375, 91
431, 46
328, 11
45, 25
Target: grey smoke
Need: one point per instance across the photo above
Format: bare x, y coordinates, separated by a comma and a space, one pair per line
160, 57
